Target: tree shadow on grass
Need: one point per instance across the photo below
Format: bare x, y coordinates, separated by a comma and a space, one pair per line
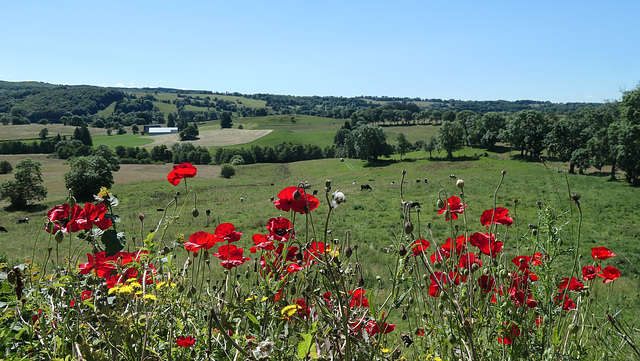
464, 158
29, 208
380, 163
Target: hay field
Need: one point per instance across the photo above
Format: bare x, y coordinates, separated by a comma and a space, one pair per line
213, 137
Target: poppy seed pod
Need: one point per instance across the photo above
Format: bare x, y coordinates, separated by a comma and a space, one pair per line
460, 183
408, 227
503, 172
327, 183
195, 212
297, 195
440, 203
348, 251
141, 217
361, 281
59, 237
403, 250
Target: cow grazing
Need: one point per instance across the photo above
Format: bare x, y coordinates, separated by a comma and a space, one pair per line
425, 180
417, 180
2, 229
23, 220
453, 176
160, 210
364, 187
315, 192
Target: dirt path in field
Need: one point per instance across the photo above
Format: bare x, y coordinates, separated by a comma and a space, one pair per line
212, 138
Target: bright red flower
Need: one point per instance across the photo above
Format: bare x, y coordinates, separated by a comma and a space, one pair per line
227, 232
303, 310
287, 201
437, 279
373, 327
358, 299
419, 246
420, 332
572, 285
261, 242
601, 253
294, 267
279, 229
487, 284
609, 274
185, 341
101, 265
487, 244
538, 259
199, 240
61, 216
590, 272
89, 216
468, 259
184, 170
454, 206
498, 215
313, 252
230, 255
85, 295
522, 262
509, 332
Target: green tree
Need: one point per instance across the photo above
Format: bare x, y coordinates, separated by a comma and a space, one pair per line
27, 185
450, 137
602, 144
488, 128
86, 175
109, 155
526, 130
227, 171
627, 149
430, 145
135, 129
369, 142
5, 167
225, 120
191, 132
82, 134
403, 145
44, 133
567, 136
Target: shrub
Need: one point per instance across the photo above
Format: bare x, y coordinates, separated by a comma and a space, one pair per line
236, 160
227, 171
87, 175
27, 185
5, 167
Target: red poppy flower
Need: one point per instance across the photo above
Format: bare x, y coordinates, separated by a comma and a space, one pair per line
61, 216
279, 229
498, 215
419, 246
522, 262
538, 259
313, 252
358, 299
509, 332
89, 216
227, 232
420, 332
609, 274
373, 327
590, 272
487, 284
303, 310
572, 285
184, 170
199, 240
486, 243
437, 279
101, 264
261, 242
185, 341
454, 207
288, 199
85, 295
294, 267
468, 259
231, 256
601, 253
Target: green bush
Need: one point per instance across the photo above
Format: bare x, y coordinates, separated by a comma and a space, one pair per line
5, 167
236, 160
227, 171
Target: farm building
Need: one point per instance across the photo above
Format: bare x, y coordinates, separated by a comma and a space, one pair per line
159, 131
145, 128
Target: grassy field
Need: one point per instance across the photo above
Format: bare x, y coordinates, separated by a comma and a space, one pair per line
32, 131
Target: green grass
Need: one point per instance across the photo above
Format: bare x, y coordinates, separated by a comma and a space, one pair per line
108, 110
126, 140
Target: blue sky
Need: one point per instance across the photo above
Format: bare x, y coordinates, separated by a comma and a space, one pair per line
561, 51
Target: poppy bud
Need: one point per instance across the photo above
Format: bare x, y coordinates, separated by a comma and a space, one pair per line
11, 277
378, 278
49, 249
72, 201
195, 212
464, 271
437, 265
444, 296
474, 267
408, 227
208, 212
460, 183
327, 183
503, 273
348, 251
539, 203
515, 200
573, 328
205, 255
141, 217
534, 232
559, 242
404, 172
195, 254
428, 225
447, 214
403, 250
360, 281
59, 237
49, 226
486, 271
297, 195
404, 316
272, 198
440, 204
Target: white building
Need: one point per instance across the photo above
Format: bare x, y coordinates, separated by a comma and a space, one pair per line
160, 131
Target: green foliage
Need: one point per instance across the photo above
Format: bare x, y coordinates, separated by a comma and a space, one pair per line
526, 130
227, 171
87, 175
236, 160
27, 185
225, 120
44, 133
5, 167
188, 153
109, 155
403, 145
450, 137
191, 132
369, 142
82, 134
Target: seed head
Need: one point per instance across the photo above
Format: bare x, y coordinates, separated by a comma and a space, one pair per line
408, 227
195, 212
297, 195
141, 217
460, 183
59, 237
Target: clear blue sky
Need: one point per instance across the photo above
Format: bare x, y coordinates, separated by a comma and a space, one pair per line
562, 51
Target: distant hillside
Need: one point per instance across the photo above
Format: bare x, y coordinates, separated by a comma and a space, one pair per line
35, 101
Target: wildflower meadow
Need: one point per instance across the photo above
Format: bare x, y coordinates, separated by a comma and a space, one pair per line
297, 291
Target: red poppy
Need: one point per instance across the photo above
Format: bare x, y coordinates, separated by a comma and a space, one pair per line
498, 215
373, 327
572, 284
61, 216
261, 242
468, 259
279, 229
227, 232
231, 256
101, 264
509, 332
303, 310
313, 252
185, 341
538, 259
522, 262
486, 243
184, 170
601, 253
609, 274
199, 240
590, 272
419, 246
487, 284
89, 216
358, 299
437, 279
454, 207
299, 202
294, 267
420, 332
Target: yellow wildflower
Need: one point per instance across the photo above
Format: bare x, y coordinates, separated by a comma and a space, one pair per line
149, 297
288, 311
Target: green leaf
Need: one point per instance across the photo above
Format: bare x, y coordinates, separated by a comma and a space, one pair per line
556, 336
113, 242
252, 318
307, 348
